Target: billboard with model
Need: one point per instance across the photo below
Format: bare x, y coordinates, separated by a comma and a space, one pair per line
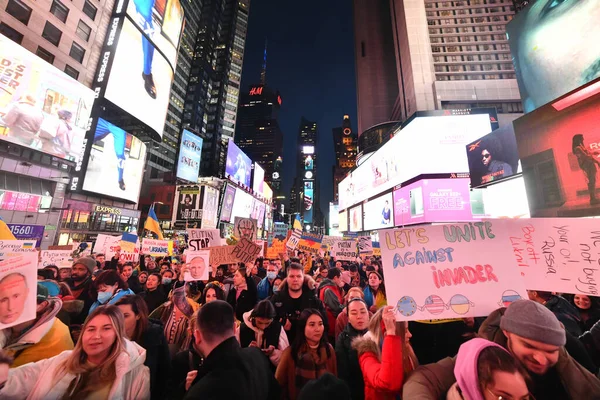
238, 165
190, 154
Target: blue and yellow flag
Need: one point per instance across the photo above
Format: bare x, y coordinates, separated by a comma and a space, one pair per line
152, 224
297, 223
5, 232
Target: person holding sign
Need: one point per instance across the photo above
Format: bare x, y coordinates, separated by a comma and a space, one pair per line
13, 295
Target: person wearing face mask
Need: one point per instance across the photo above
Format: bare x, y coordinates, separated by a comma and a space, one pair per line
110, 287
347, 358
332, 295
168, 280
265, 286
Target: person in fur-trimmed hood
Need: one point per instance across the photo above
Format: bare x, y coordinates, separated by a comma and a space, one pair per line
385, 366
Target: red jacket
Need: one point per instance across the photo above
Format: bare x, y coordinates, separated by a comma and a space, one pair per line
383, 377
333, 302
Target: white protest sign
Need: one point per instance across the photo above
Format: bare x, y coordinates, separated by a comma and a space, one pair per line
198, 263
199, 239
294, 239
55, 257
554, 254
345, 250
109, 244
365, 245
432, 274
18, 282
10, 248
155, 247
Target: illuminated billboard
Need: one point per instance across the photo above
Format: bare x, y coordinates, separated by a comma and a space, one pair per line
259, 179
210, 207
267, 192
555, 49
343, 221
334, 216
308, 149
493, 157
190, 154
308, 202
140, 79
559, 146
356, 219
227, 206
442, 137
116, 164
239, 165
379, 213
187, 205
309, 163
40, 106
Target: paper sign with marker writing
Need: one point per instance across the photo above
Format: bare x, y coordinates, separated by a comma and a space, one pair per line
220, 255
18, 282
365, 245
246, 251
55, 257
155, 247
199, 239
10, 248
108, 245
448, 271
198, 264
554, 254
344, 250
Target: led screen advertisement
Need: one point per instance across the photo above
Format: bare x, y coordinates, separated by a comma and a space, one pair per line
333, 216
116, 163
343, 221
210, 207
259, 179
555, 48
40, 106
239, 165
243, 205
493, 157
559, 146
187, 205
190, 154
356, 219
425, 145
308, 201
227, 207
140, 79
379, 213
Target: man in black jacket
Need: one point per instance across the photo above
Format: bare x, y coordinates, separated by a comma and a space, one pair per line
294, 297
228, 372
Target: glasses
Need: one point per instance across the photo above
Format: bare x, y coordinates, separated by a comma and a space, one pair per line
528, 397
486, 156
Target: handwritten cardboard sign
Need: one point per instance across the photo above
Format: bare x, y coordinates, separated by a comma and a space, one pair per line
554, 254
155, 247
55, 257
199, 239
108, 245
220, 255
198, 263
11, 248
449, 271
18, 282
345, 250
294, 239
246, 251
245, 228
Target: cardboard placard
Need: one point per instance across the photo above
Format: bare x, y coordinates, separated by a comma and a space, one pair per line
55, 257
246, 251
221, 255
245, 228
11, 248
365, 245
199, 239
198, 263
18, 282
108, 245
344, 250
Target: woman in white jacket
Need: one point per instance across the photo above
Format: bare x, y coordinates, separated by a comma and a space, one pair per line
260, 329
103, 365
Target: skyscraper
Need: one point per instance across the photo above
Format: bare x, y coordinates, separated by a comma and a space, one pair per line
345, 147
304, 193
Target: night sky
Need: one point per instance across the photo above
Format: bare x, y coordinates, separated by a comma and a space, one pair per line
311, 62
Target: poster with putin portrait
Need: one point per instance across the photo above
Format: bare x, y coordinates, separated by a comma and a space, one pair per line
245, 228
18, 289
198, 265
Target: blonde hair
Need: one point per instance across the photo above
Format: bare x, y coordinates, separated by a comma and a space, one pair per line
88, 378
409, 358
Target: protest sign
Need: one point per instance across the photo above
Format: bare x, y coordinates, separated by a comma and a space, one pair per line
261, 243
365, 245
128, 242
198, 263
108, 245
10, 248
438, 272
552, 254
55, 257
18, 282
155, 247
199, 239
220, 255
246, 251
294, 239
345, 250
245, 228
310, 242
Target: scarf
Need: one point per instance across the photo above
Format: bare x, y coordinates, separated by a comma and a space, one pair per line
311, 364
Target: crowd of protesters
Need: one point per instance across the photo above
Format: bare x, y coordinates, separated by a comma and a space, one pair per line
299, 326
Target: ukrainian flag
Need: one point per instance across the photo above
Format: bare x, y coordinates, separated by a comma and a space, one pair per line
152, 224
297, 223
5, 232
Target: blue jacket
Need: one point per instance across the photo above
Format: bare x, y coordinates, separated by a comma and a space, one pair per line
264, 289
116, 297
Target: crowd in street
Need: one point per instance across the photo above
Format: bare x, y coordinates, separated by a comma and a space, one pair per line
299, 326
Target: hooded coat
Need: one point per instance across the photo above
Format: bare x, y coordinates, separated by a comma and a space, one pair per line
432, 381
115, 297
35, 381
274, 336
348, 365
47, 338
333, 298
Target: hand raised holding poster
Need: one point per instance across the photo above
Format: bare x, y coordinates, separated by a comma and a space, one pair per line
432, 274
245, 228
197, 265
199, 239
246, 251
18, 289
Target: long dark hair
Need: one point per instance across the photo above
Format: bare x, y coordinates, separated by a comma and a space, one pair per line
140, 309
109, 278
300, 338
493, 359
218, 291
577, 141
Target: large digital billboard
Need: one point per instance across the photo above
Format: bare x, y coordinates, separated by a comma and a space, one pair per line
187, 205
116, 164
334, 215
190, 154
559, 146
40, 106
379, 213
427, 144
309, 197
210, 207
259, 179
555, 48
343, 221
356, 219
140, 79
239, 165
493, 157
227, 206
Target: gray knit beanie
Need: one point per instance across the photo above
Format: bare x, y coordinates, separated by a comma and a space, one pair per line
87, 262
531, 320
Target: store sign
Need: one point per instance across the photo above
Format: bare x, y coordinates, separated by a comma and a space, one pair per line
107, 210
28, 232
256, 91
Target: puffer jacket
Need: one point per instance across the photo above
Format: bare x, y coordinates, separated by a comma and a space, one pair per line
383, 375
116, 297
38, 381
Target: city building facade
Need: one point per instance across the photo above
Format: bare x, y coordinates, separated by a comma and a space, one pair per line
345, 147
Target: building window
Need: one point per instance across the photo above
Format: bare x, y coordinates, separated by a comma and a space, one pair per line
72, 72
59, 10
90, 10
11, 33
52, 33
44, 54
19, 10
77, 52
83, 31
